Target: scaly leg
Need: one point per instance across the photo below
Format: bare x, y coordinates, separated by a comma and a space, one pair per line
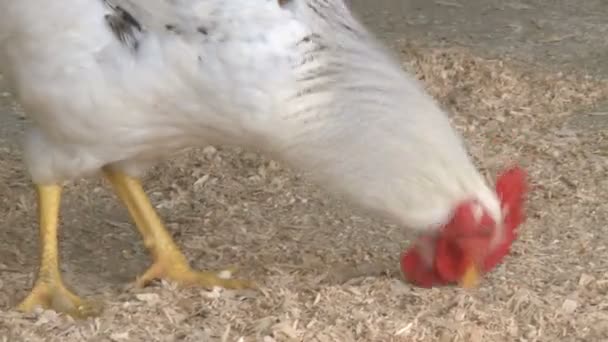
49, 291
169, 262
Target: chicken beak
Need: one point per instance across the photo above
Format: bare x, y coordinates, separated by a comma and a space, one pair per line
470, 278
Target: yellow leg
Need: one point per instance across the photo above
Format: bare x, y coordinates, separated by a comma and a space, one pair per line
169, 263
49, 291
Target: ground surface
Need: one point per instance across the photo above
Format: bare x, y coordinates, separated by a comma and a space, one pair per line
328, 273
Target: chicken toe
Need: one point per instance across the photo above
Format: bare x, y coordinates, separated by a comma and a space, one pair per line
56, 296
169, 262
49, 291
175, 270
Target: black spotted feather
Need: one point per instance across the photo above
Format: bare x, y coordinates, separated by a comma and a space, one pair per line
126, 28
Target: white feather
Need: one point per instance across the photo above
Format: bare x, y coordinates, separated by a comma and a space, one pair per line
303, 82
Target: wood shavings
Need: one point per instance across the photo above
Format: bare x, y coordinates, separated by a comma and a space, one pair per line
322, 266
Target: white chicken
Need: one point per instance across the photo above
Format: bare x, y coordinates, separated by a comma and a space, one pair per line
117, 85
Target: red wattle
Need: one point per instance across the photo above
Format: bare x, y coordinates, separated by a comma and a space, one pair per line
450, 261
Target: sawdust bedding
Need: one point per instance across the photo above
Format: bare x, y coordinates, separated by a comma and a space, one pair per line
327, 273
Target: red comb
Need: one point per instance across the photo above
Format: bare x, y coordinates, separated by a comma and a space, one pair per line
511, 189
449, 264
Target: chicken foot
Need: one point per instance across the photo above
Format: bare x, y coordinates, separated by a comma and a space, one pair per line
169, 262
49, 291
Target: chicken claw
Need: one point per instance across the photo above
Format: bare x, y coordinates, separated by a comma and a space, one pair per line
184, 276
49, 291
169, 262
57, 297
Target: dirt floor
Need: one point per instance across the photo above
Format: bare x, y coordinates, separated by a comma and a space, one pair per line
556, 34
328, 273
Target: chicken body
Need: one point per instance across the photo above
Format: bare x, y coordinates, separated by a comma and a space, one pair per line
117, 85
